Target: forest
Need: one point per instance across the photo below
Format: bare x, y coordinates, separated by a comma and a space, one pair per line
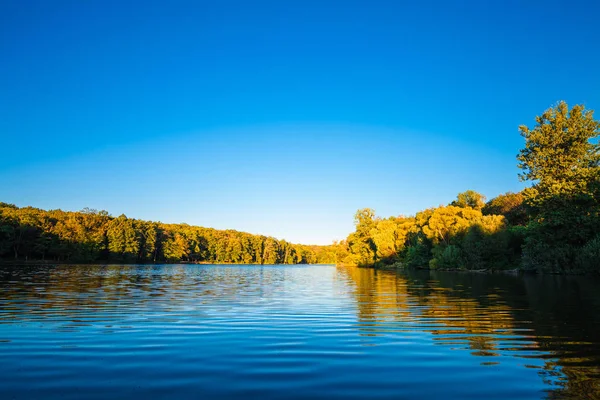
552, 226
90, 236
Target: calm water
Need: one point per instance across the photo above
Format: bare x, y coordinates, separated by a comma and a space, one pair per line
269, 332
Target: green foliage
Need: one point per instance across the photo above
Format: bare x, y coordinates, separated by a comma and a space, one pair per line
588, 258
94, 236
123, 239
447, 257
540, 256
562, 159
448, 237
418, 252
492, 249
561, 154
552, 226
471, 199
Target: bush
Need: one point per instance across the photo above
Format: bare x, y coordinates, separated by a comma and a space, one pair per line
417, 256
588, 258
541, 256
418, 251
448, 257
497, 250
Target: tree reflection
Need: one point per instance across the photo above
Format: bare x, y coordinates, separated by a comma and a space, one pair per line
71, 294
553, 319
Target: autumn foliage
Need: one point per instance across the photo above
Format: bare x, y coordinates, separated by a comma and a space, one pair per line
551, 226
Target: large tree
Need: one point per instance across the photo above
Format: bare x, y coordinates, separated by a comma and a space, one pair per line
562, 160
361, 245
470, 198
561, 155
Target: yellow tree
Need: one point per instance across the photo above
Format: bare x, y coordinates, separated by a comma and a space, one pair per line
470, 198
447, 222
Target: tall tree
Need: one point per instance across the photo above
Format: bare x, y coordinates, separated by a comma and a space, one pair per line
360, 242
470, 198
562, 160
561, 155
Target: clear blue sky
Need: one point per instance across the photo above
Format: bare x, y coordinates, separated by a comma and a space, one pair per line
280, 117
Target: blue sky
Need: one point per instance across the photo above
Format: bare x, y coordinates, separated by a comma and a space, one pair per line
279, 117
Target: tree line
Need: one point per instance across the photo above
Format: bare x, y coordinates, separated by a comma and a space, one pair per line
551, 226
89, 236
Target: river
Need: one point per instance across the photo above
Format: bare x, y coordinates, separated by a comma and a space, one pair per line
294, 332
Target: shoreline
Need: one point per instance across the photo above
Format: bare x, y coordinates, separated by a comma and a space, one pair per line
107, 263
513, 271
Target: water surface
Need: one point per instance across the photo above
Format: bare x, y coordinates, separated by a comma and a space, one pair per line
295, 332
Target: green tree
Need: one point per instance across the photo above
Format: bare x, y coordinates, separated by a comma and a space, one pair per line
470, 198
561, 155
360, 243
123, 239
149, 238
91, 236
175, 247
561, 159
271, 251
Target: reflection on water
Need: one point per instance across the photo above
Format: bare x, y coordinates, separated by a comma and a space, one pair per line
190, 331
550, 323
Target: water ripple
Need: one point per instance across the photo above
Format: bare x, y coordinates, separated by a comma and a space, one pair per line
184, 331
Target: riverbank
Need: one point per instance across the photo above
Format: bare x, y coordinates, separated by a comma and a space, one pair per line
399, 266
46, 262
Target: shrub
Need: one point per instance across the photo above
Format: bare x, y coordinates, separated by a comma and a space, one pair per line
448, 257
588, 258
541, 256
